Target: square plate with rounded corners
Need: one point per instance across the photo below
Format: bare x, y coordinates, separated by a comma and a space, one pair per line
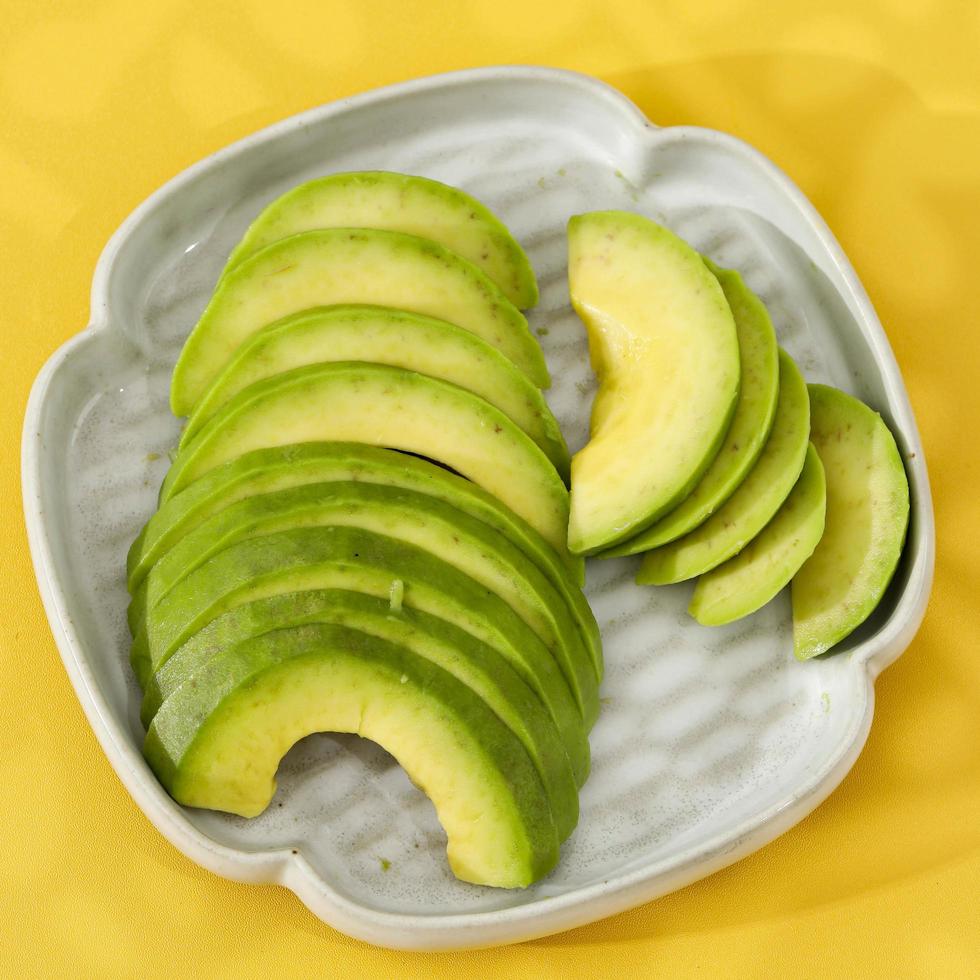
711, 741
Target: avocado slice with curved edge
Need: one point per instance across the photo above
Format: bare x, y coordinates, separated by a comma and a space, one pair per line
313, 558
217, 741
398, 202
844, 579
764, 567
474, 663
754, 503
348, 265
663, 345
475, 549
395, 337
749, 428
282, 467
387, 406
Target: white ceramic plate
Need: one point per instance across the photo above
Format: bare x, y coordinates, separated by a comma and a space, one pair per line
711, 741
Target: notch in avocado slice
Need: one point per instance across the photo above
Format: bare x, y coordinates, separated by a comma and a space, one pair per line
217, 741
749, 428
348, 265
398, 202
438, 528
764, 567
312, 558
843, 581
385, 336
391, 407
474, 663
663, 345
753, 504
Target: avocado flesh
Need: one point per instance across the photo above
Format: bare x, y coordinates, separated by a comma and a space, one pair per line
473, 548
663, 345
385, 406
348, 265
764, 567
475, 664
217, 741
754, 503
747, 432
283, 467
844, 579
395, 337
314, 558
398, 202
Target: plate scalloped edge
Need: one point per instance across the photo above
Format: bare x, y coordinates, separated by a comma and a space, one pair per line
577, 906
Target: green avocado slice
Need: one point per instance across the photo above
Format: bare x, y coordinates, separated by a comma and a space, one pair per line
477, 665
312, 558
750, 508
395, 337
348, 265
844, 579
398, 202
664, 348
387, 406
475, 549
217, 741
750, 425
764, 567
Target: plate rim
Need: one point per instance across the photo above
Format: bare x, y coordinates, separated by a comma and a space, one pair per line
577, 906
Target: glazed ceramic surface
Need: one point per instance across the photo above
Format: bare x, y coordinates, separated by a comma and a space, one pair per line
711, 741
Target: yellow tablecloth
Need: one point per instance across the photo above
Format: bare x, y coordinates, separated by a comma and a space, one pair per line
873, 108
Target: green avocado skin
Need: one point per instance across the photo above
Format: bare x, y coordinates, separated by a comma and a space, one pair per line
475, 663
240, 689
305, 558
443, 530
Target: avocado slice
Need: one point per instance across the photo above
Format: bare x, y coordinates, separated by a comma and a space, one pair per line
398, 202
749, 427
217, 741
754, 503
348, 265
475, 549
385, 336
663, 344
269, 470
477, 665
375, 403
745, 583
844, 579
311, 558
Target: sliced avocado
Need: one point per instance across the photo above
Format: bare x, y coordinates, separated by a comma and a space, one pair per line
398, 202
312, 558
663, 345
282, 467
844, 579
764, 567
217, 741
749, 427
348, 265
750, 508
386, 406
475, 549
477, 665
385, 336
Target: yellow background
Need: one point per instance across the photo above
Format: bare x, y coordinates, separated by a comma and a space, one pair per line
872, 107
